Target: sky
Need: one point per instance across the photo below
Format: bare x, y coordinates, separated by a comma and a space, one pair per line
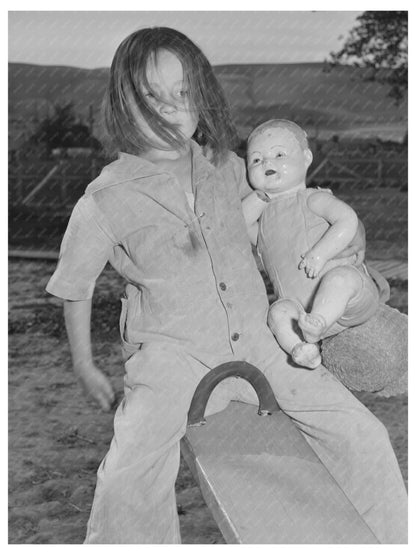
89, 38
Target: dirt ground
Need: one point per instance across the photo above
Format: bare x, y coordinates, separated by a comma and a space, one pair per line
57, 439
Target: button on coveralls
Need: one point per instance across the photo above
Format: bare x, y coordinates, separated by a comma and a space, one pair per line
178, 321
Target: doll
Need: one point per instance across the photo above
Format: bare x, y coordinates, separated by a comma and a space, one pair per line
299, 230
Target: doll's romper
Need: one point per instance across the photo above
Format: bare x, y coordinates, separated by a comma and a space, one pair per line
195, 299
289, 228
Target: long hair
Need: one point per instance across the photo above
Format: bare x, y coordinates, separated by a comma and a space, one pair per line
124, 95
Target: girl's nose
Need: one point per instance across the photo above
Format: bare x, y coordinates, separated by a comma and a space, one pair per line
167, 108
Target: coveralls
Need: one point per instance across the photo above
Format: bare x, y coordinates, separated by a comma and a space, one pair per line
195, 299
289, 228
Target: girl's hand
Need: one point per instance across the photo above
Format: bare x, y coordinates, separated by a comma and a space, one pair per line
353, 254
96, 386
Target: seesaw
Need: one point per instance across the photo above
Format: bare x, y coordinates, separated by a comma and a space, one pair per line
259, 477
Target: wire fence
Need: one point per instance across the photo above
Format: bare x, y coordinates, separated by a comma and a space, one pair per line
341, 111
43, 193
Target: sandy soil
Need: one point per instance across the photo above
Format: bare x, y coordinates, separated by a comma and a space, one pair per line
57, 439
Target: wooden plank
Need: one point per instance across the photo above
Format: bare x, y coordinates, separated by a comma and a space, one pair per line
313, 173
41, 184
33, 254
396, 269
265, 485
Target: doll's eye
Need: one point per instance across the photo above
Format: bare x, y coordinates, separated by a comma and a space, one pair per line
279, 154
255, 161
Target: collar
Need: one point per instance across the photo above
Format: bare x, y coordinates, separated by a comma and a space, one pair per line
130, 167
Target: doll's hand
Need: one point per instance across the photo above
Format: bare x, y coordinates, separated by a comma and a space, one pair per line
96, 386
311, 264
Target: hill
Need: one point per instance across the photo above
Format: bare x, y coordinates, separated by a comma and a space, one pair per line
326, 103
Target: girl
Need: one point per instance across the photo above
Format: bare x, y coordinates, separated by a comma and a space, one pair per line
167, 215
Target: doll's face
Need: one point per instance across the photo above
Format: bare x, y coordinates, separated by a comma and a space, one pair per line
276, 161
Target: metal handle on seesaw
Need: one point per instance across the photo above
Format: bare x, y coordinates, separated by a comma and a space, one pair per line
267, 400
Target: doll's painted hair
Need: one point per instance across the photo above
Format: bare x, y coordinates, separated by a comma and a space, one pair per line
125, 95
299, 133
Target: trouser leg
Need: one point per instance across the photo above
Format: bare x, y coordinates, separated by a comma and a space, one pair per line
135, 498
349, 440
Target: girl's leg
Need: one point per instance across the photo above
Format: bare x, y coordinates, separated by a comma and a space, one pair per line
349, 440
336, 289
135, 495
283, 319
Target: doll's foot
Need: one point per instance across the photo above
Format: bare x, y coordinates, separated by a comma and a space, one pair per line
307, 355
313, 326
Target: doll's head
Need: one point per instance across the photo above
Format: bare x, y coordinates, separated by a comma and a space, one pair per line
278, 156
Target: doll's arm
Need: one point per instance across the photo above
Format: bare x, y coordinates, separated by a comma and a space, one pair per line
343, 228
253, 206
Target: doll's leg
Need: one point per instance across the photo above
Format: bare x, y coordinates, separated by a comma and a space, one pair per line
282, 320
336, 289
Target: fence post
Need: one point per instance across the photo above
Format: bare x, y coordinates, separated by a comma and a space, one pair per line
17, 190
18, 193
62, 190
380, 172
93, 168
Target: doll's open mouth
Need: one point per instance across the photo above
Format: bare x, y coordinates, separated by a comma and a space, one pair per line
269, 172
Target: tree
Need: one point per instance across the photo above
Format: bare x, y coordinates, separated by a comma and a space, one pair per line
379, 42
62, 130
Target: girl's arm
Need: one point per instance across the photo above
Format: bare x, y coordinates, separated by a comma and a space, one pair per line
343, 228
355, 252
253, 207
78, 325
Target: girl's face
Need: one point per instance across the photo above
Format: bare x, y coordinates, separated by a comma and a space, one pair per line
169, 97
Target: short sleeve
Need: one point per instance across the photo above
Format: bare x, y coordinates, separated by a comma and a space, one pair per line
85, 250
240, 172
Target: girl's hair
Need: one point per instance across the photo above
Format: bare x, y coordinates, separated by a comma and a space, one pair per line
124, 95
297, 131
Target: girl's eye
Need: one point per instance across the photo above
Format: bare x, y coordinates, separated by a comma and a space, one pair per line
149, 96
182, 93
